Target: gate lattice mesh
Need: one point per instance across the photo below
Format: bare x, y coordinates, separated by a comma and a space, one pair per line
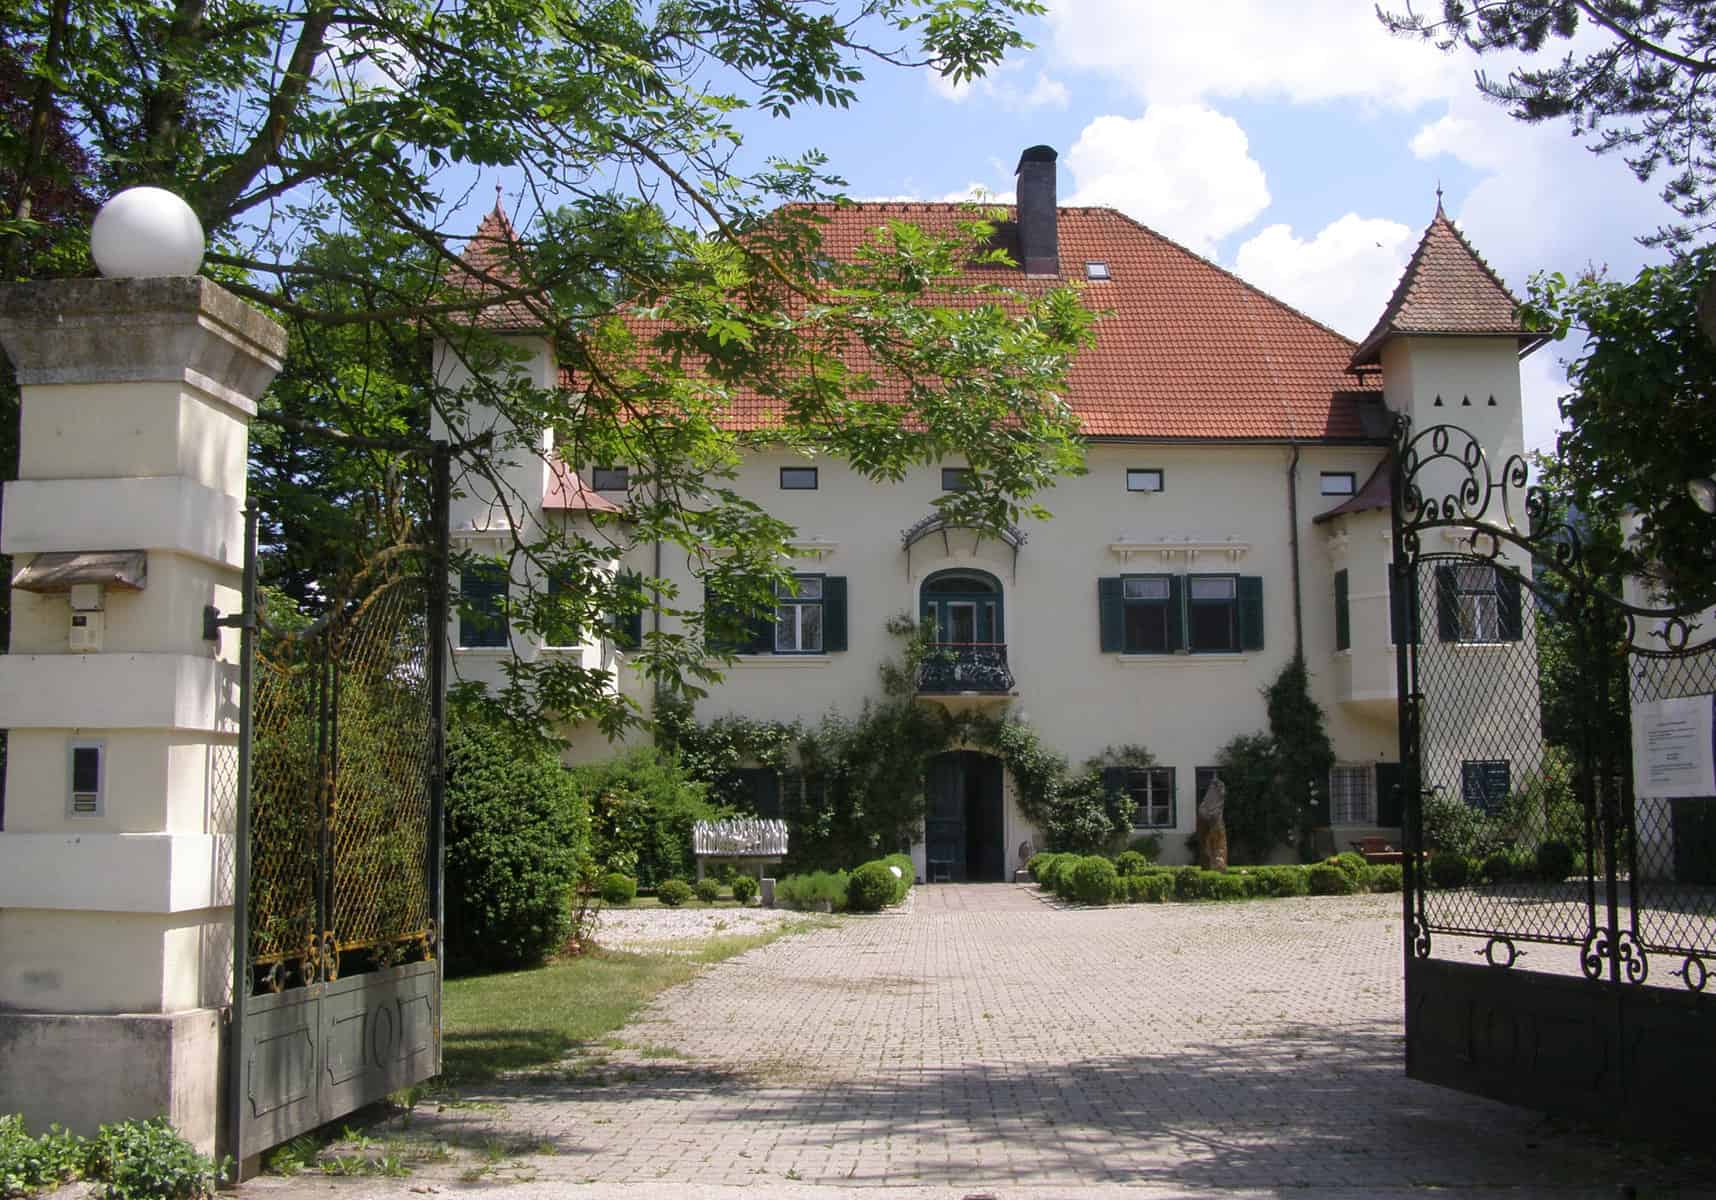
340, 794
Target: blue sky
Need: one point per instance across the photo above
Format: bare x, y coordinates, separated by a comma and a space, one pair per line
1297, 144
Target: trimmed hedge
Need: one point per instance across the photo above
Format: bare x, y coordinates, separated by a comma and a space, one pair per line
708, 890
744, 888
1282, 881
1555, 861
1328, 879
1448, 870
1154, 888
871, 888
1092, 880
1131, 862
673, 892
1383, 877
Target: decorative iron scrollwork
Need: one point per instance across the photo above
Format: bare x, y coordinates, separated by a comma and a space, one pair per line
1594, 954
1498, 942
968, 668
1420, 937
1693, 973
1598, 949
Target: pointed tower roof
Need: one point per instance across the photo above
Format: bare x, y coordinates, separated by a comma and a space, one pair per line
1447, 290
488, 270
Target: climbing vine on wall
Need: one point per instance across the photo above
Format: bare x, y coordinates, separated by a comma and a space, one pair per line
853, 786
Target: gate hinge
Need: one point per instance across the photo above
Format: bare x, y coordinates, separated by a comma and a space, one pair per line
213, 622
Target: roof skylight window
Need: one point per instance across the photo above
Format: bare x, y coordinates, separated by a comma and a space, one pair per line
1096, 270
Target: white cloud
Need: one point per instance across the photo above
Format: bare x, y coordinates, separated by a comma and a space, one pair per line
1183, 169
1307, 51
1002, 92
1343, 276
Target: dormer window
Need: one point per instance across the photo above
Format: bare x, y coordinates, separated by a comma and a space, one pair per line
1096, 270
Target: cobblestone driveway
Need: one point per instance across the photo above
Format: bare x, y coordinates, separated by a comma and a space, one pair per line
988, 1040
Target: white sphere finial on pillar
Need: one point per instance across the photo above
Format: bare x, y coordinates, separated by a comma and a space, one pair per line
146, 231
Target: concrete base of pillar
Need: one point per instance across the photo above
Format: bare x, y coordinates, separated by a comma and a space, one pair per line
83, 1071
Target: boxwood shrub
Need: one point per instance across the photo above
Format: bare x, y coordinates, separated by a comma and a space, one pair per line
871, 888
1555, 861
1328, 879
1153, 888
1039, 862
708, 890
618, 889
1449, 870
744, 888
1281, 880
1131, 862
673, 892
1092, 880
1383, 877
1224, 885
907, 876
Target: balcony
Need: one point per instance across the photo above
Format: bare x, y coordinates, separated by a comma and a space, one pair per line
965, 669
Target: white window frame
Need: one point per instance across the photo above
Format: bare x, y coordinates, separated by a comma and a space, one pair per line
1230, 602
1146, 480
1347, 805
1152, 797
1477, 610
787, 602
1345, 483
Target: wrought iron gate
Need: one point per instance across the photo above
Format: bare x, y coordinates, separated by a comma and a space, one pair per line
1559, 930
338, 863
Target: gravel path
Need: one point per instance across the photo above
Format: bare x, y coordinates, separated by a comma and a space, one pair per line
650, 928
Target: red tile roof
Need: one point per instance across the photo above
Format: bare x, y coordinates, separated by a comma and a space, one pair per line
566, 492
1184, 349
486, 270
1447, 288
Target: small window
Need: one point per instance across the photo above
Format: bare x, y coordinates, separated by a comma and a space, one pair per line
1212, 613
1096, 270
87, 778
1144, 479
1477, 604
1148, 614
798, 479
482, 606
956, 479
798, 616
1339, 483
610, 479
1152, 792
1352, 798
1343, 612
1485, 783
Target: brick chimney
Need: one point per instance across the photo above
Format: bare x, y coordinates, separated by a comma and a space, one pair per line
1039, 238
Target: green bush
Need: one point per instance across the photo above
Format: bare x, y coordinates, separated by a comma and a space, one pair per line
870, 888
907, 876
813, 889
1048, 871
27, 1163
1282, 880
1328, 879
518, 833
642, 807
708, 890
1147, 844
1131, 862
1149, 889
673, 892
1225, 885
1555, 861
148, 1160
618, 889
1497, 868
1449, 870
1094, 881
1039, 860
1383, 877
745, 888
1353, 863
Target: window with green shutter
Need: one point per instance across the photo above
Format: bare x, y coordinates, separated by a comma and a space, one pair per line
1343, 618
1478, 602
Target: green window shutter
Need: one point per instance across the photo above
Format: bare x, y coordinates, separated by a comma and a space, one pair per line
1390, 799
1110, 607
1251, 612
834, 613
760, 638
1447, 606
1173, 797
1343, 618
1176, 613
1509, 613
1114, 780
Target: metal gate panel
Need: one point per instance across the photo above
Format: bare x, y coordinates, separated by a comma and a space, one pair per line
1591, 921
338, 903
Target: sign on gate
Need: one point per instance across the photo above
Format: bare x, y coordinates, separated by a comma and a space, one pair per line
1672, 751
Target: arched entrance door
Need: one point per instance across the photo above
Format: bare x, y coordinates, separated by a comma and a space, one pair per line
965, 838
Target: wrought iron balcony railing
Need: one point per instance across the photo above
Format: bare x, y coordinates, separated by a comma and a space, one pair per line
965, 667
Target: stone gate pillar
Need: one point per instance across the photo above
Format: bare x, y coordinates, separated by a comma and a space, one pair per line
115, 854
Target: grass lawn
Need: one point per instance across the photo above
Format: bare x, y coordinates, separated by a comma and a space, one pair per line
521, 1019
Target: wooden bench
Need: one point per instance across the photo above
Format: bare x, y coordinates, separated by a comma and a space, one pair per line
1377, 850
